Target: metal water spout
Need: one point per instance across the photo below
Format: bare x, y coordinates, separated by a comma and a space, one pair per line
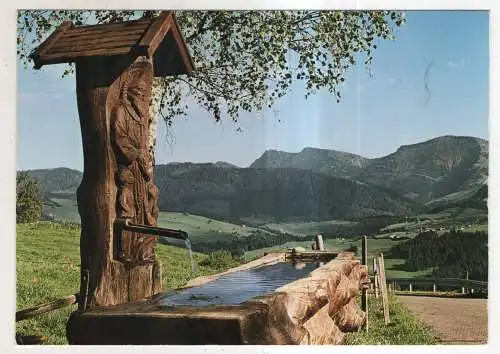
127, 225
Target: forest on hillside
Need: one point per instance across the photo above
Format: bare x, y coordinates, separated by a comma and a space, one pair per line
451, 255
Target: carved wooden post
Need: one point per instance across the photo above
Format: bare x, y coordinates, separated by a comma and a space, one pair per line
115, 66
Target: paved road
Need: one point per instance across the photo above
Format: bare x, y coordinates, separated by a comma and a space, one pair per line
455, 320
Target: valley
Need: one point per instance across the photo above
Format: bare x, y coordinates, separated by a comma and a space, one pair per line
284, 199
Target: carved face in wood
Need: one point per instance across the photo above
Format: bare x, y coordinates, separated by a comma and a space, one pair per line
137, 89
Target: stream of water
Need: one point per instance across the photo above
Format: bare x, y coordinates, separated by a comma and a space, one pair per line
187, 242
238, 287
177, 242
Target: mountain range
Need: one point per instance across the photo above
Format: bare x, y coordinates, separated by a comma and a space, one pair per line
316, 184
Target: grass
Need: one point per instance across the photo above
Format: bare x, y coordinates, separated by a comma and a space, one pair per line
48, 268
199, 226
393, 269
404, 328
310, 227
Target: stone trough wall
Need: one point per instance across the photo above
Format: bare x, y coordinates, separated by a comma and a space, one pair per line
317, 309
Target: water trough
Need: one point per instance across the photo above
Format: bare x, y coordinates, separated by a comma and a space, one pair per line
239, 306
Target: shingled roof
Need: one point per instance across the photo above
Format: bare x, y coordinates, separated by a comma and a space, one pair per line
158, 37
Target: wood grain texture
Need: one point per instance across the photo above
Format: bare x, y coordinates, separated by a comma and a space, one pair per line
99, 91
383, 288
376, 279
50, 41
311, 309
73, 56
43, 308
83, 37
156, 32
321, 329
107, 43
350, 317
140, 282
364, 294
104, 27
181, 44
30, 340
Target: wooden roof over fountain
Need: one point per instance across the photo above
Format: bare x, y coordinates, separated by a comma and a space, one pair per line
158, 37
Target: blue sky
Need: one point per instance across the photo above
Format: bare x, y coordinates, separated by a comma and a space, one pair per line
376, 115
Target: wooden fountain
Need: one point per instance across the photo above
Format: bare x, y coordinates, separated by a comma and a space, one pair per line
115, 66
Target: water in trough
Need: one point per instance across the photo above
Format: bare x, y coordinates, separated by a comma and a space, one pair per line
238, 287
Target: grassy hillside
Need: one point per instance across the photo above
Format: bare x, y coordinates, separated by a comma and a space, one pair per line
245, 234
451, 254
48, 267
200, 227
334, 227
62, 209
58, 181
285, 194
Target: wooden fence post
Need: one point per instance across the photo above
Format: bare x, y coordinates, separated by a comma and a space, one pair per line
383, 288
364, 297
319, 243
375, 277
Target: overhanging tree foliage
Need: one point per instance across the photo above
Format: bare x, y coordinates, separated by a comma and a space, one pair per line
29, 203
245, 60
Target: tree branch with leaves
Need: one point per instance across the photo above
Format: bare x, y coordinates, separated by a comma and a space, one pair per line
245, 60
